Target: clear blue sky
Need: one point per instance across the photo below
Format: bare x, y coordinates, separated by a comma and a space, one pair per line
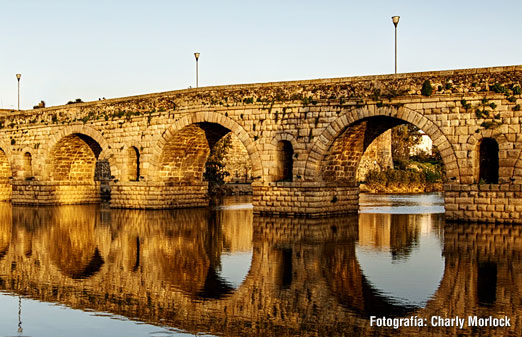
90, 49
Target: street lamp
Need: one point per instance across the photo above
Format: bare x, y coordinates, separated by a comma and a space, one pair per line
20, 330
395, 20
196, 55
18, 76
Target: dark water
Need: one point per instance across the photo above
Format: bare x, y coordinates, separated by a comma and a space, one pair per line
89, 271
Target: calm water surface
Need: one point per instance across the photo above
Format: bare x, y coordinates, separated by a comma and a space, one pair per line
89, 271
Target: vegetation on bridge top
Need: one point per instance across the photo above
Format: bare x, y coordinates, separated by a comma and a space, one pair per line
349, 91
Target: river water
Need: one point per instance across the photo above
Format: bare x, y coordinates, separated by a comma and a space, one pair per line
91, 271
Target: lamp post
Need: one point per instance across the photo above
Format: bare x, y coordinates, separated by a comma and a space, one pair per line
18, 76
395, 20
196, 55
20, 329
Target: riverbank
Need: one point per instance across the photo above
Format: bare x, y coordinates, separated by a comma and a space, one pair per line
233, 189
415, 177
398, 188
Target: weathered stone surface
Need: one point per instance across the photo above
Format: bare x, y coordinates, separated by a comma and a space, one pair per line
156, 145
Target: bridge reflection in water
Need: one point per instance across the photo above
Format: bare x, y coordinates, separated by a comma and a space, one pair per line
226, 272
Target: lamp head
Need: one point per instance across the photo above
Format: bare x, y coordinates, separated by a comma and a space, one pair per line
196, 55
395, 20
18, 76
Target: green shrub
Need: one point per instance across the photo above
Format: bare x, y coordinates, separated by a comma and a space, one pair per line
498, 88
215, 172
427, 89
432, 176
465, 104
428, 174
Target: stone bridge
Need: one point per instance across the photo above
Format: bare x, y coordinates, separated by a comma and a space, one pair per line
304, 277
303, 140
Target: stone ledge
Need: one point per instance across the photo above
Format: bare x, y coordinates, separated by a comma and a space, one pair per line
482, 187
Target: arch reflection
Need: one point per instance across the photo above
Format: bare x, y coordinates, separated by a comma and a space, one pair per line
72, 240
183, 250
401, 256
305, 277
5, 228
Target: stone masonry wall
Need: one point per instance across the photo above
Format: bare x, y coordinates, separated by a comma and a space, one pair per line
55, 193
484, 202
159, 196
378, 156
465, 107
314, 200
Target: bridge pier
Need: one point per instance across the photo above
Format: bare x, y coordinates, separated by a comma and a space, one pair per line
309, 199
32, 192
151, 195
501, 203
280, 198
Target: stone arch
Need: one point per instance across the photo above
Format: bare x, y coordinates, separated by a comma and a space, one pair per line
11, 157
77, 255
103, 152
27, 164
488, 161
284, 161
208, 117
323, 143
505, 154
133, 160
23, 170
6, 173
74, 158
296, 147
184, 157
7, 149
288, 137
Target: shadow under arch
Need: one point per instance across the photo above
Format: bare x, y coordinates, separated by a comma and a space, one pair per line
390, 250
87, 140
505, 152
285, 148
93, 266
320, 253
72, 241
184, 249
381, 119
223, 125
352, 289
